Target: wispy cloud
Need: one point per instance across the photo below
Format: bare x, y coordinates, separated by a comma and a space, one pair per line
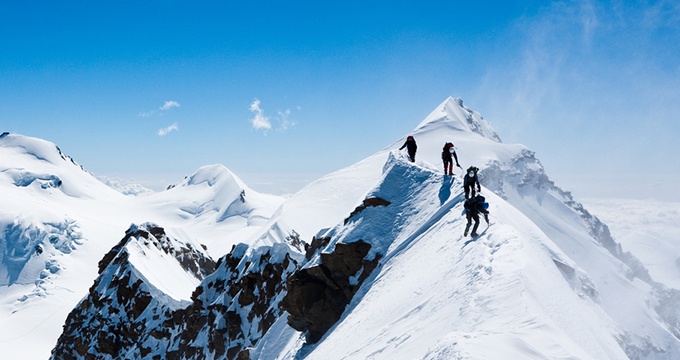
164, 131
169, 105
259, 121
285, 122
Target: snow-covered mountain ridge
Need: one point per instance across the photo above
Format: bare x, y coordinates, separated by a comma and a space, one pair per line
512, 293
388, 273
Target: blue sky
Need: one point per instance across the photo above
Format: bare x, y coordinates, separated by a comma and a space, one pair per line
153, 90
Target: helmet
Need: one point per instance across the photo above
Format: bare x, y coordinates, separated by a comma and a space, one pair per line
409, 137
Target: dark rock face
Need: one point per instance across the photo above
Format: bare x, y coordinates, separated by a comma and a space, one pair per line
318, 295
124, 317
316, 245
237, 304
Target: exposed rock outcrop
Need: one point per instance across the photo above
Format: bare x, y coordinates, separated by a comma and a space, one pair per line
374, 201
318, 295
233, 308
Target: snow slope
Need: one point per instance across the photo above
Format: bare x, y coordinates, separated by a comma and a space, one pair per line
440, 295
213, 205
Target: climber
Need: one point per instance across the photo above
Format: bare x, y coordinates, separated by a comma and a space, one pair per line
473, 207
411, 147
470, 181
449, 150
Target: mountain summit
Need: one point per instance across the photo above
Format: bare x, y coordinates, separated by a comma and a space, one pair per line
454, 114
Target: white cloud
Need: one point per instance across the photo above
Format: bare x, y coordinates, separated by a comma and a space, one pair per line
259, 121
164, 131
285, 122
169, 105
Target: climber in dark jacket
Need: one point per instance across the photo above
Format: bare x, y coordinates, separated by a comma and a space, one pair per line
411, 147
447, 152
470, 181
473, 207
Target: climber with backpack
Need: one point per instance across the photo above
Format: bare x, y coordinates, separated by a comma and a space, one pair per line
447, 152
411, 147
470, 181
473, 207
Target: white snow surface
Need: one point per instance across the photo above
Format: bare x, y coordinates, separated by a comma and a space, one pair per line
537, 284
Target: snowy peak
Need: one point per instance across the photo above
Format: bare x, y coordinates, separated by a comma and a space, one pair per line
37, 148
215, 175
149, 248
39, 166
146, 275
214, 194
437, 294
453, 113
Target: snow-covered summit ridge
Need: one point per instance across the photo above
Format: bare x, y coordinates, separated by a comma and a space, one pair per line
329, 199
40, 168
214, 189
456, 115
216, 174
40, 149
149, 248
